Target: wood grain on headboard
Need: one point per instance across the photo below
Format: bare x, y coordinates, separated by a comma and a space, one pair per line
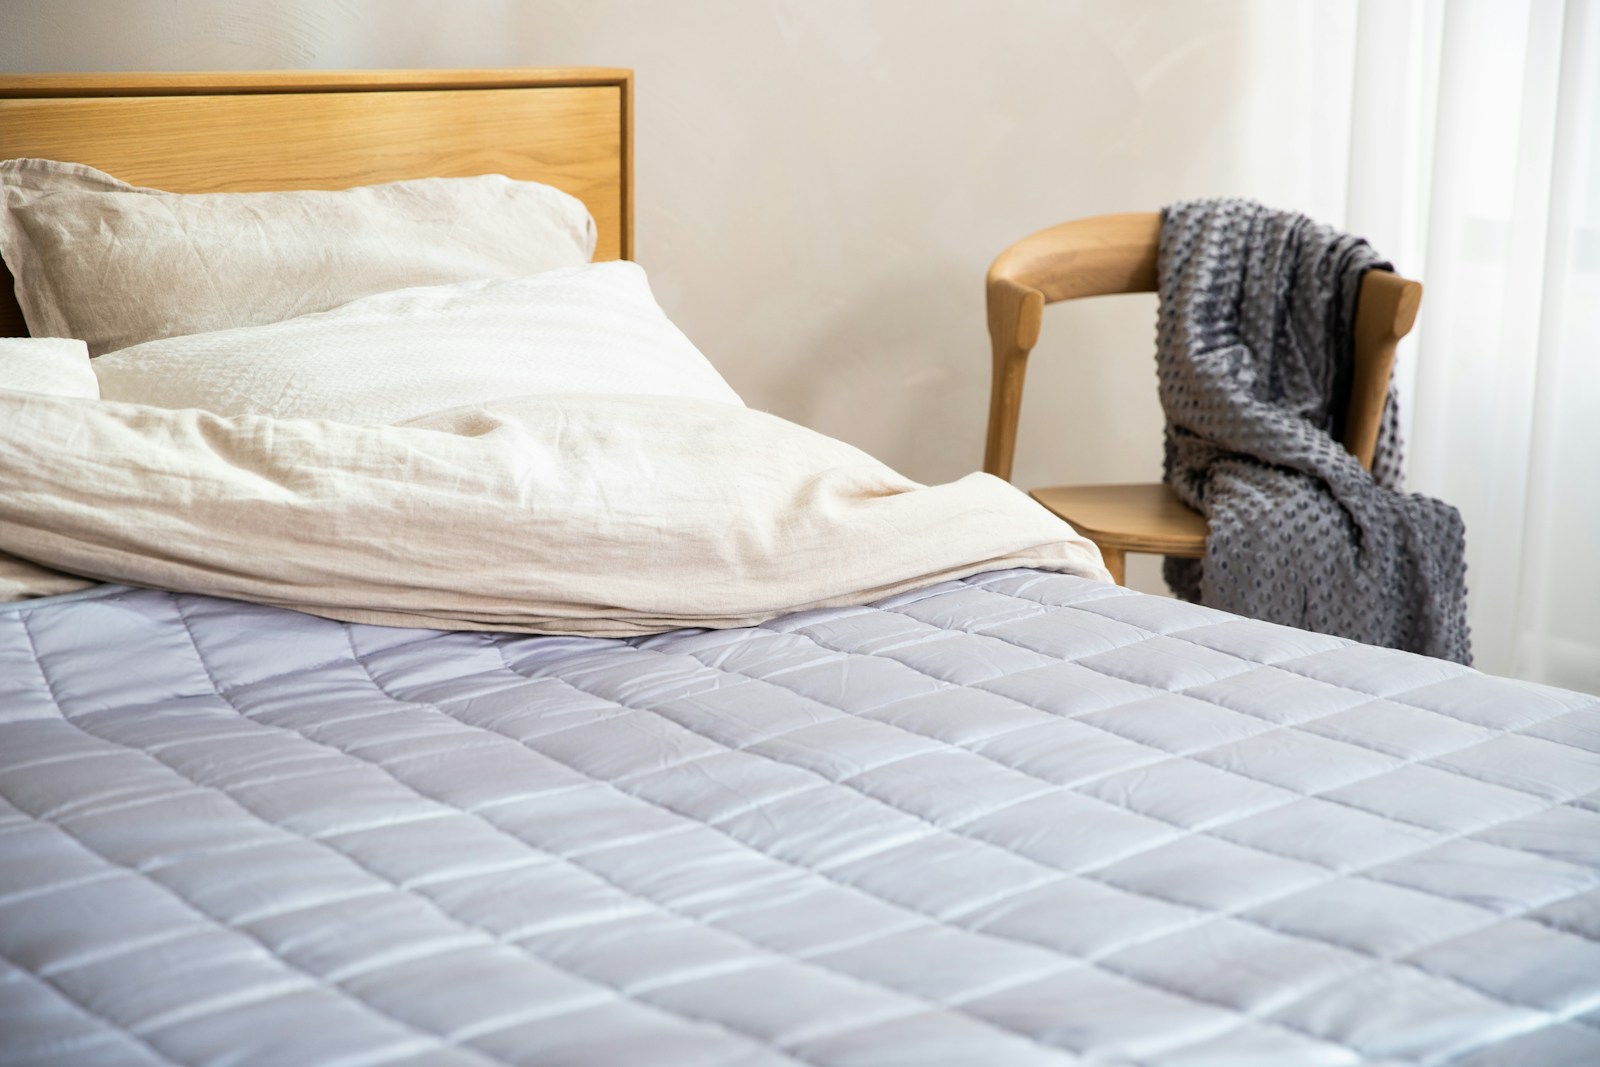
241, 132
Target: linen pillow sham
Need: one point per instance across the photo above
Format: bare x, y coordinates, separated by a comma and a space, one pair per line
395, 356
118, 265
58, 366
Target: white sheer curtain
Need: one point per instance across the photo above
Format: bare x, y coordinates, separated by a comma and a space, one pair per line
1475, 164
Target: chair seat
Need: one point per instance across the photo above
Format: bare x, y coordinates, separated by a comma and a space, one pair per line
1129, 518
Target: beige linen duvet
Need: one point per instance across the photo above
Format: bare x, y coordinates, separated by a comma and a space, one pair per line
583, 514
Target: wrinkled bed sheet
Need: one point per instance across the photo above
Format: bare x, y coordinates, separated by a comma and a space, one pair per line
1021, 818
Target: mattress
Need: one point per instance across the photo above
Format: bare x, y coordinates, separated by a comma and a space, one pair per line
1021, 818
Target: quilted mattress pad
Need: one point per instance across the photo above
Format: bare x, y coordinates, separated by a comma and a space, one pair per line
1016, 819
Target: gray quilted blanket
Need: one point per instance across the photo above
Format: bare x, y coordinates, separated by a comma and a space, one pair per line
1253, 356
1018, 820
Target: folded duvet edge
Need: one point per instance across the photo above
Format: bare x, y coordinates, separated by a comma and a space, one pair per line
556, 514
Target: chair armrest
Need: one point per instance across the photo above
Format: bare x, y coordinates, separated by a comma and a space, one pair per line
1385, 311
1085, 257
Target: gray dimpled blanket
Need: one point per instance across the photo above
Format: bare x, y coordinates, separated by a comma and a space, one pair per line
1253, 356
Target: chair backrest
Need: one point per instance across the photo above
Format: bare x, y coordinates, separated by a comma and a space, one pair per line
1117, 254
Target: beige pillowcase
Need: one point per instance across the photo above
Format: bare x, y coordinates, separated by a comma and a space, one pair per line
396, 356
58, 366
118, 265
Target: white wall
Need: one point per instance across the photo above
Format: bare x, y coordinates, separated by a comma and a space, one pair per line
822, 183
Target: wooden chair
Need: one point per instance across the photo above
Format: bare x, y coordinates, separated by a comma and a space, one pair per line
1117, 254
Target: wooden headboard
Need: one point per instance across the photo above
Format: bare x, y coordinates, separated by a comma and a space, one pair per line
242, 132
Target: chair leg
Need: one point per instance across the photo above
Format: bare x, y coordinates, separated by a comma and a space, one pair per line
1116, 561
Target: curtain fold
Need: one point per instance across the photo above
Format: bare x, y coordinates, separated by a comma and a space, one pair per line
1474, 163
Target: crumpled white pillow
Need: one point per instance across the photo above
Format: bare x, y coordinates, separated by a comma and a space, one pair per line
118, 265
58, 366
395, 356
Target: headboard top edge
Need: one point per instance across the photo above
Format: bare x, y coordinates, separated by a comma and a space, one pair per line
184, 83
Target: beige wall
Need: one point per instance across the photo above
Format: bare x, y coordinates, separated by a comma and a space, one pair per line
822, 183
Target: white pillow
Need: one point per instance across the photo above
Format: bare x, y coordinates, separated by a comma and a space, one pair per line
58, 365
395, 356
118, 265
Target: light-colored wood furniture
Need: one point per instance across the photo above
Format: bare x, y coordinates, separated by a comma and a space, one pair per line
242, 132
1117, 254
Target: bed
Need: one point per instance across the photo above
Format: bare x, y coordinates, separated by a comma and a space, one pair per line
791, 761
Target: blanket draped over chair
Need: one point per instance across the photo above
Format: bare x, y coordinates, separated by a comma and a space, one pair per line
1254, 342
